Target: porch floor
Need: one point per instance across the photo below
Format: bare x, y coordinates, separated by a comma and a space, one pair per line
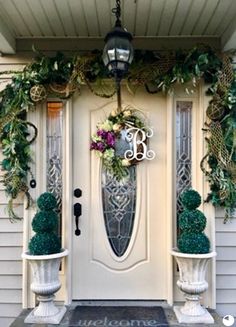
170, 315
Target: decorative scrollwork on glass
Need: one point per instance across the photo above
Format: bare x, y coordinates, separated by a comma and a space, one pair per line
183, 149
54, 152
119, 203
54, 179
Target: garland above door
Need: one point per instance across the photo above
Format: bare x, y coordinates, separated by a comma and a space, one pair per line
62, 76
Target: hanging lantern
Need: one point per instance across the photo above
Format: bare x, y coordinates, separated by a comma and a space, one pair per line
118, 51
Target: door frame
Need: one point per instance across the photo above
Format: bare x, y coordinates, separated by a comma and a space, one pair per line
199, 182
38, 117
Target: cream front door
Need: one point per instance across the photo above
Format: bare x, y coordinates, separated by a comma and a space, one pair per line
98, 272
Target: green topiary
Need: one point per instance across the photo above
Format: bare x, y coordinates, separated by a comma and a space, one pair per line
192, 221
44, 243
44, 223
190, 199
196, 243
47, 201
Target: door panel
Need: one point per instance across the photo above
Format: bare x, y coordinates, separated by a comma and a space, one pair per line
140, 273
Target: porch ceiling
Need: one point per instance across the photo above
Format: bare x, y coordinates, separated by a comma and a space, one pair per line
23, 22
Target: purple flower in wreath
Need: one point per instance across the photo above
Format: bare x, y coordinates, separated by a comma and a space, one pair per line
93, 146
102, 133
100, 147
110, 138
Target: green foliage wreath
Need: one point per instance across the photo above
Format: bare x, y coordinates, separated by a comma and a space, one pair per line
61, 76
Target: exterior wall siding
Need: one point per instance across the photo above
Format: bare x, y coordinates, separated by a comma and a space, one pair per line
11, 242
225, 265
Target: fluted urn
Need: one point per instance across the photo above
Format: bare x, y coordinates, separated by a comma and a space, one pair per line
192, 272
46, 283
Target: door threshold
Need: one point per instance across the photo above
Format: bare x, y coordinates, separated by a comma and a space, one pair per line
141, 303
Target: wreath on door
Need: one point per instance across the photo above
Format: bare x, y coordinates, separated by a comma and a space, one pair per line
112, 141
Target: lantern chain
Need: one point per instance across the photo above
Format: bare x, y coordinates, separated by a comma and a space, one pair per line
117, 12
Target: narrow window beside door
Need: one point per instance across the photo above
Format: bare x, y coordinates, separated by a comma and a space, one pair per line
54, 152
183, 149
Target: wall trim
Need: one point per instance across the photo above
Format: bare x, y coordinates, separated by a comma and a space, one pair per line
170, 194
84, 44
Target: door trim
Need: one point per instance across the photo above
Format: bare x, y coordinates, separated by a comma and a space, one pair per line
38, 117
170, 187
67, 196
68, 222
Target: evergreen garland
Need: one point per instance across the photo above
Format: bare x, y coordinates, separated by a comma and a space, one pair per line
61, 76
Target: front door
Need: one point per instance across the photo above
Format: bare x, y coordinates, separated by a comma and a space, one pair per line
138, 268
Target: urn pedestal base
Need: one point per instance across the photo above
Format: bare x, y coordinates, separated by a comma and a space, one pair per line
45, 283
205, 318
192, 271
54, 320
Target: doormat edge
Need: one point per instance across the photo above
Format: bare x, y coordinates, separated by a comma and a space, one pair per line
118, 316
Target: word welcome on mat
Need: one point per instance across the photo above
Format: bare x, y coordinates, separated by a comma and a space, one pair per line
108, 316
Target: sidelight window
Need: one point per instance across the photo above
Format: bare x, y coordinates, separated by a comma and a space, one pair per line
183, 149
54, 152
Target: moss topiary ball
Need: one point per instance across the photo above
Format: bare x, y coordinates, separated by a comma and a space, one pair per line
194, 243
45, 221
44, 243
47, 201
190, 199
192, 221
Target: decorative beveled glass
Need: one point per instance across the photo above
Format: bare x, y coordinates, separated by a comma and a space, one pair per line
119, 202
54, 151
183, 149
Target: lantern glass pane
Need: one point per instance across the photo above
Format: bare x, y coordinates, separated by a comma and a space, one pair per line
122, 55
105, 58
131, 54
118, 48
111, 54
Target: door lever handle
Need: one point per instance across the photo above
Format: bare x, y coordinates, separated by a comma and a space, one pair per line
77, 214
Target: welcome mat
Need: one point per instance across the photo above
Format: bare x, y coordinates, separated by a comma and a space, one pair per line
95, 316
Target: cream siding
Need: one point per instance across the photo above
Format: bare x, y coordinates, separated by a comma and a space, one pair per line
225, 265
11, 241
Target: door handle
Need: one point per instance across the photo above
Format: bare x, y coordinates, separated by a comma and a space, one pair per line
77, 214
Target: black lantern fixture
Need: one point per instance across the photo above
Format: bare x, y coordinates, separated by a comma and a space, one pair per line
118, 51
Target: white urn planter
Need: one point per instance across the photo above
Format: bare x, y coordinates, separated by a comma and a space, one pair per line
45, 283
192, 270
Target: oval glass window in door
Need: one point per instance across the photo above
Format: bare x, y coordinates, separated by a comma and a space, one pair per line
119, 203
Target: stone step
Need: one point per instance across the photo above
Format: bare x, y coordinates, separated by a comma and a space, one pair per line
170, 315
